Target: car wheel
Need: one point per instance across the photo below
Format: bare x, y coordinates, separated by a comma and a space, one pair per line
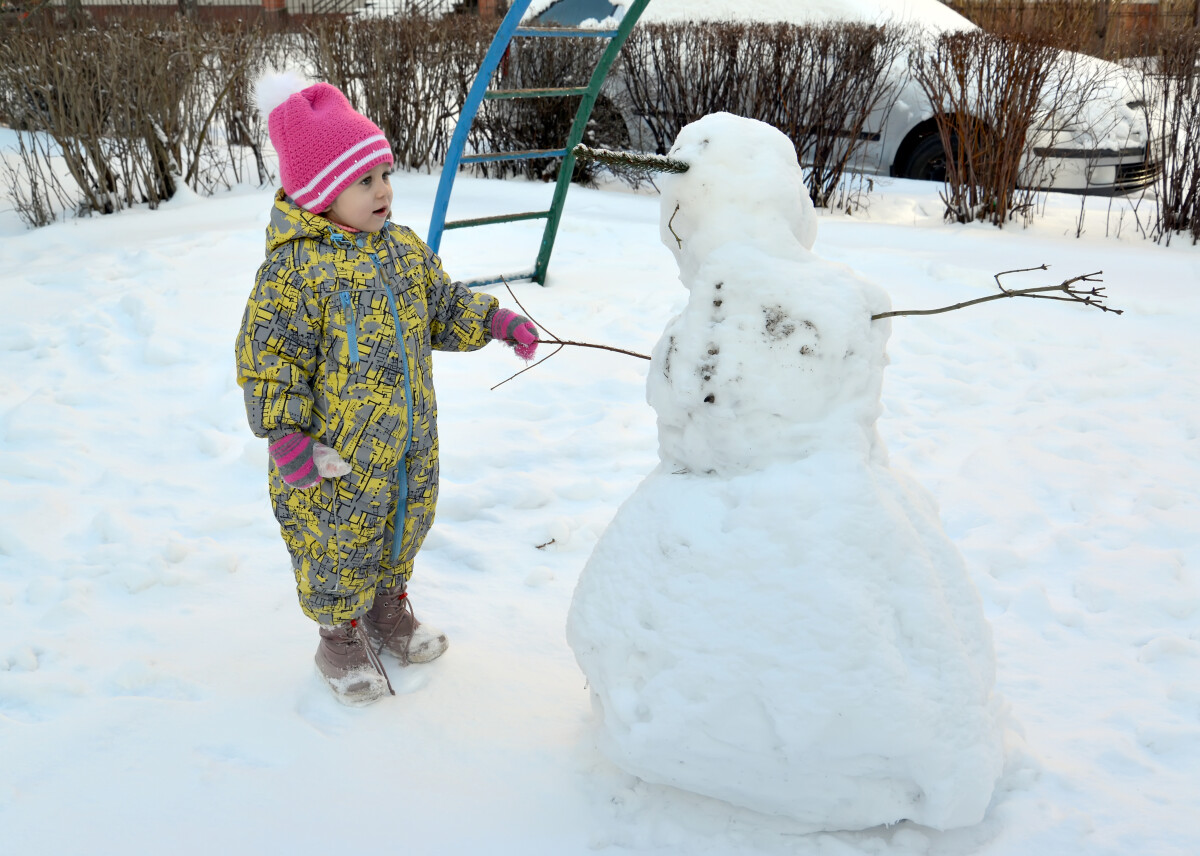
927, 161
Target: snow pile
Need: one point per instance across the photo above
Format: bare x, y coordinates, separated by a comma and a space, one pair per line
775, 618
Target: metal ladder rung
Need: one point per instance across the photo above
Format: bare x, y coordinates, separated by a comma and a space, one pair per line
559, 92
564, 32
482, 89
525, 154
497, 218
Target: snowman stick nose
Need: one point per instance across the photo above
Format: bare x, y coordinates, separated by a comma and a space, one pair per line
630, 160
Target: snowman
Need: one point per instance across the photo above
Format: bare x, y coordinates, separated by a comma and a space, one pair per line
775, 618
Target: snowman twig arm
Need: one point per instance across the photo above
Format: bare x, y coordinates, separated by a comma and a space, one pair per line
554, 340
601, 347
528, 367
1093, 296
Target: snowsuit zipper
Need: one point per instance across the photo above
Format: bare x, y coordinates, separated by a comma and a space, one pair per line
351, 327
402, 467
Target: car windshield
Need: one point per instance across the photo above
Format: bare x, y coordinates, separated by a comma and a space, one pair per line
571, 13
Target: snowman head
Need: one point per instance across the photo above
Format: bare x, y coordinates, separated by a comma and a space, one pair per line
743, 185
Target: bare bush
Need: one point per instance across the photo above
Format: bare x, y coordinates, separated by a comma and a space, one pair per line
137, 107
986, 94
36, 194
131, 108
1170, 83
536, 124
673, 74
410, 75
824, 84
820, 85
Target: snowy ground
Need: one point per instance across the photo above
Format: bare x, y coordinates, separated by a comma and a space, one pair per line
156, 686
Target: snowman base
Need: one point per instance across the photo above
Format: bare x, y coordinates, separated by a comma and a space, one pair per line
845, 688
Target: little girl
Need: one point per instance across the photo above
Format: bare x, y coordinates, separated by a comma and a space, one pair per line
335, 360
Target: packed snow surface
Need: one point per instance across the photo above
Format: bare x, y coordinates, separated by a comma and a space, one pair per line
774, 618
157, 693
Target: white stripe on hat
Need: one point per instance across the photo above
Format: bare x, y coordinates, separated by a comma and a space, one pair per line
318, 202
369, 141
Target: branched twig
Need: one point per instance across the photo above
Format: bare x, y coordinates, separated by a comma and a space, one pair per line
554, 340
1088, 297
600, 347
528, 367
671, 226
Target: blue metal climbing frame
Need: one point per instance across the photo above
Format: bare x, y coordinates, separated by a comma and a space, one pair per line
509, 29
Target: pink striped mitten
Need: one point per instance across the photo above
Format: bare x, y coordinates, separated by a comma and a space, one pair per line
515, 330
293, 455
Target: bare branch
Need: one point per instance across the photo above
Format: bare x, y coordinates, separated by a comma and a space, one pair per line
1088, 297
528, 367
600, 347
554, 340
1016, 270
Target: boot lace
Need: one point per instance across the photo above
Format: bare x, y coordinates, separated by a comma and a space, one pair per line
396, 606
359, 636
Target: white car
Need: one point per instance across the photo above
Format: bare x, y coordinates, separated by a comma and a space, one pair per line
1095, 142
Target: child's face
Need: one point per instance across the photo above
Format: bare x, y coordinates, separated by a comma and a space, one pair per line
366, 203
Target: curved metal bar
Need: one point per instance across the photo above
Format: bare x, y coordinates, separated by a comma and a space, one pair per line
458, 142
632, 13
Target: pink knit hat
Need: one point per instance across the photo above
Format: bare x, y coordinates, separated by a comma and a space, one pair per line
324, 145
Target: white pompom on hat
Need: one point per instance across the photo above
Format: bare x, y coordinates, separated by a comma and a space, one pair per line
275, 87
324, 144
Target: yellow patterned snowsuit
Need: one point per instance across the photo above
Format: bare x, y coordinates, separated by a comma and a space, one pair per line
318, 353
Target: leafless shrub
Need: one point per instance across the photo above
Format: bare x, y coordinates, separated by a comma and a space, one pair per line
673, 74
532, 124
986, 94
1170, 84
410, 75
35, 194
132, 108
823, 85
820, 85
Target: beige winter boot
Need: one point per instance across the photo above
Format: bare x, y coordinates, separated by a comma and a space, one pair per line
391, 625
348, 663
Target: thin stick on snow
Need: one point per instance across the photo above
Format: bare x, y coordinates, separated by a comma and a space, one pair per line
1088, 297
